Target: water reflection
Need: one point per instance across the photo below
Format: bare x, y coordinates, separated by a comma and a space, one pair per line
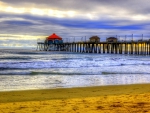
42, 81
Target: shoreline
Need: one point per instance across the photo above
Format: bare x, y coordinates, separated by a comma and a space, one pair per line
75, 92
97, 99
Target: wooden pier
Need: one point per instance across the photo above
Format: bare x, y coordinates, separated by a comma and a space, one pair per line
137, 48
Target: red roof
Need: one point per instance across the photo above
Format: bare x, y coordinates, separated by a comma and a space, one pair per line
53, 37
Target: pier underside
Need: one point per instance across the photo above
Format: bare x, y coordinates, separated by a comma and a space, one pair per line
139, 48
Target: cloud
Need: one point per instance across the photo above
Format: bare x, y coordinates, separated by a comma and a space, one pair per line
86, 5
95, 9
37, 25
72, 18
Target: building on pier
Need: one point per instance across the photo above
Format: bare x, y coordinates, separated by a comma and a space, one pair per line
94, 39
50, 43
54, 39
112, 39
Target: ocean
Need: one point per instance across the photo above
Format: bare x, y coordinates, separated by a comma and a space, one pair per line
31, 69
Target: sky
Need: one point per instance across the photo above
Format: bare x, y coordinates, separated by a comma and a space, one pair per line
24, 22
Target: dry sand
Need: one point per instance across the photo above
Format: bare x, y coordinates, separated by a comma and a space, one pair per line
101, 99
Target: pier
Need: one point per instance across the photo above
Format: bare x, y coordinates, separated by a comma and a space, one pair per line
132, 47
112, 45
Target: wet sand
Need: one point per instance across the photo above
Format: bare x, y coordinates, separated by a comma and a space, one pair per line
100, 99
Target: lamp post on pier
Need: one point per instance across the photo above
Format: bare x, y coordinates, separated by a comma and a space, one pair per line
142, 37
132, 37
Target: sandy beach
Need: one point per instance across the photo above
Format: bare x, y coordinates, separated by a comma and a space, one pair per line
99, 99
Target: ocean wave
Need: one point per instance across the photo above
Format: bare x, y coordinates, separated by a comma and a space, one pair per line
42, 73
15, 73
89, 63
15, 58
128, 73
55, 73
90, 71
64, 64
19, 51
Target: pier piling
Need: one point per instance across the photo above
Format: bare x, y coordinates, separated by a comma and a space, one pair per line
137, 48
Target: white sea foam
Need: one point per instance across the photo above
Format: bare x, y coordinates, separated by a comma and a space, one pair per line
26, 69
